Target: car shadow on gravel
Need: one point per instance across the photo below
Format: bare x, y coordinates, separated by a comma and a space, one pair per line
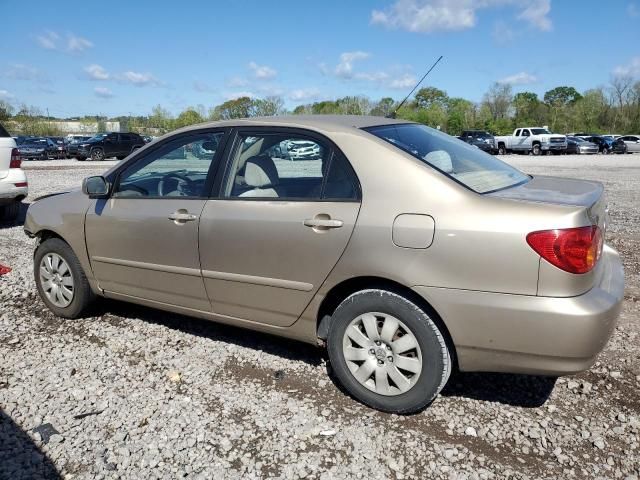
20, 457
529, 391
19, 221
282, 347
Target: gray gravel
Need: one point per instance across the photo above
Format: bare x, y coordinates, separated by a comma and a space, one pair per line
137, 393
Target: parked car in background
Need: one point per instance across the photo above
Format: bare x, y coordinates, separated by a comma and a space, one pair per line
13, 182
403, 250
578, 145
106, 145
536, 140
72, 146
61, 146
605, 145
147, 138
632, 142
303, 150
611, 137
482, 139
38, 148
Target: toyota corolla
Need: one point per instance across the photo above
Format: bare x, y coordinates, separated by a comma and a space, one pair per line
405, 251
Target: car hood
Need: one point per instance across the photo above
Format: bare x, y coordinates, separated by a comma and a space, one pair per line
555, 190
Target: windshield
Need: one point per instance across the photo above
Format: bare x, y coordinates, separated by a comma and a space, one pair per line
466, 164
540, 131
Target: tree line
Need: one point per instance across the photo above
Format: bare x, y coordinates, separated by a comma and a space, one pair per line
611, 109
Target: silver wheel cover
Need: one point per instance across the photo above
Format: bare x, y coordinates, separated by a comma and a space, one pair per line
56, 280
382, 353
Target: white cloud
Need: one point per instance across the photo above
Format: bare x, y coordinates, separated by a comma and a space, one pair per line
304, 94
139, 79
631, 69
6, 95
103, 92
48, 41
235, 95
21, 71
77, 44
262, 72
403, 82
74, 44
537, 14
344, 69
428, 16
96, 72
520, 78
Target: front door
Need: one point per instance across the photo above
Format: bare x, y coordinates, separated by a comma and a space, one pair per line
286, 211
143, 240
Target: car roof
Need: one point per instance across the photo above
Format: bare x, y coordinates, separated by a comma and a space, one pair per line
315, 122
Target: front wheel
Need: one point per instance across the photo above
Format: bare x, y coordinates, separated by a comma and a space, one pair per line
60, 279
387, 352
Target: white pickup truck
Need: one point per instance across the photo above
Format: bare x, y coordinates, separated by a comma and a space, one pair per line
536, 140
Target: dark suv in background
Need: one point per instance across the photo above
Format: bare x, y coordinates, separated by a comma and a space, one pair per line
106, 145
481, 139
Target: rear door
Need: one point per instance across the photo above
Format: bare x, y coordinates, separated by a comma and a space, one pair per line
277, 227
7, 144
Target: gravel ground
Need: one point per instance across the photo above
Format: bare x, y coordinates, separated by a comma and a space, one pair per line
134, 392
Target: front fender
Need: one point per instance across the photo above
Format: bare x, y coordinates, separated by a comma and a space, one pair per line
62, 215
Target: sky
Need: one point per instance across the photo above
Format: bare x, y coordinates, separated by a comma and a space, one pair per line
124, 57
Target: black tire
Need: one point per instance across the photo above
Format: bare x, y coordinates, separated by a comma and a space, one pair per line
535, 149
436, 360
81, 159
10, 212
82, 296
97, 155
502, 150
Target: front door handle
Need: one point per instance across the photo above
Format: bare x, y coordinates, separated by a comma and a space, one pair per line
181, 216
322, 223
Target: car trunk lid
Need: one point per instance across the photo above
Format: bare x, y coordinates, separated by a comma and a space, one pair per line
562, 191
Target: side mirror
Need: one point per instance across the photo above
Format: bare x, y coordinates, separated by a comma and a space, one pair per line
95, 187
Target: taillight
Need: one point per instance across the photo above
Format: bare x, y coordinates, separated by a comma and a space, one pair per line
574, 250
16, 161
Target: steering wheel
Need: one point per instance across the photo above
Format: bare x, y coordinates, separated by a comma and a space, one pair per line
162, 184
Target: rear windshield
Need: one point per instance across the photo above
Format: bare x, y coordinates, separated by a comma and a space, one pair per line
464, 163
3, 132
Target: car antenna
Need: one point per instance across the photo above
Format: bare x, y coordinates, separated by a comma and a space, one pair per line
394, 113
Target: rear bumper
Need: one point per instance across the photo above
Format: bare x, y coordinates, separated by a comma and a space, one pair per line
8, 188
530, 334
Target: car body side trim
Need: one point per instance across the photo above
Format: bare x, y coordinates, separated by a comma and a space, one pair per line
270, 282
195, 272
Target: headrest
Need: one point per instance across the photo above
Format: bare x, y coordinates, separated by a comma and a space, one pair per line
260, 172
440, 159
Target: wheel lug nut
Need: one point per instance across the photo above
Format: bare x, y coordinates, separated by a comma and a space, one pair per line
388, 347
390, 359
372, 352
380, 362
378, 342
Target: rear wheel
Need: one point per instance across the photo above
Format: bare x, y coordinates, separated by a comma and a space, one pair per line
97, 154
387, 352
60, 279
535, 149
502, 150
10, 211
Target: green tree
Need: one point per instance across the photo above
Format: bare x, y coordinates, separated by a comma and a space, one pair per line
241, 107
430, 96
188, 117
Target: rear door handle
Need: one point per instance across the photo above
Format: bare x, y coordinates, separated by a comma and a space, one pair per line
323, 223
181, 217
